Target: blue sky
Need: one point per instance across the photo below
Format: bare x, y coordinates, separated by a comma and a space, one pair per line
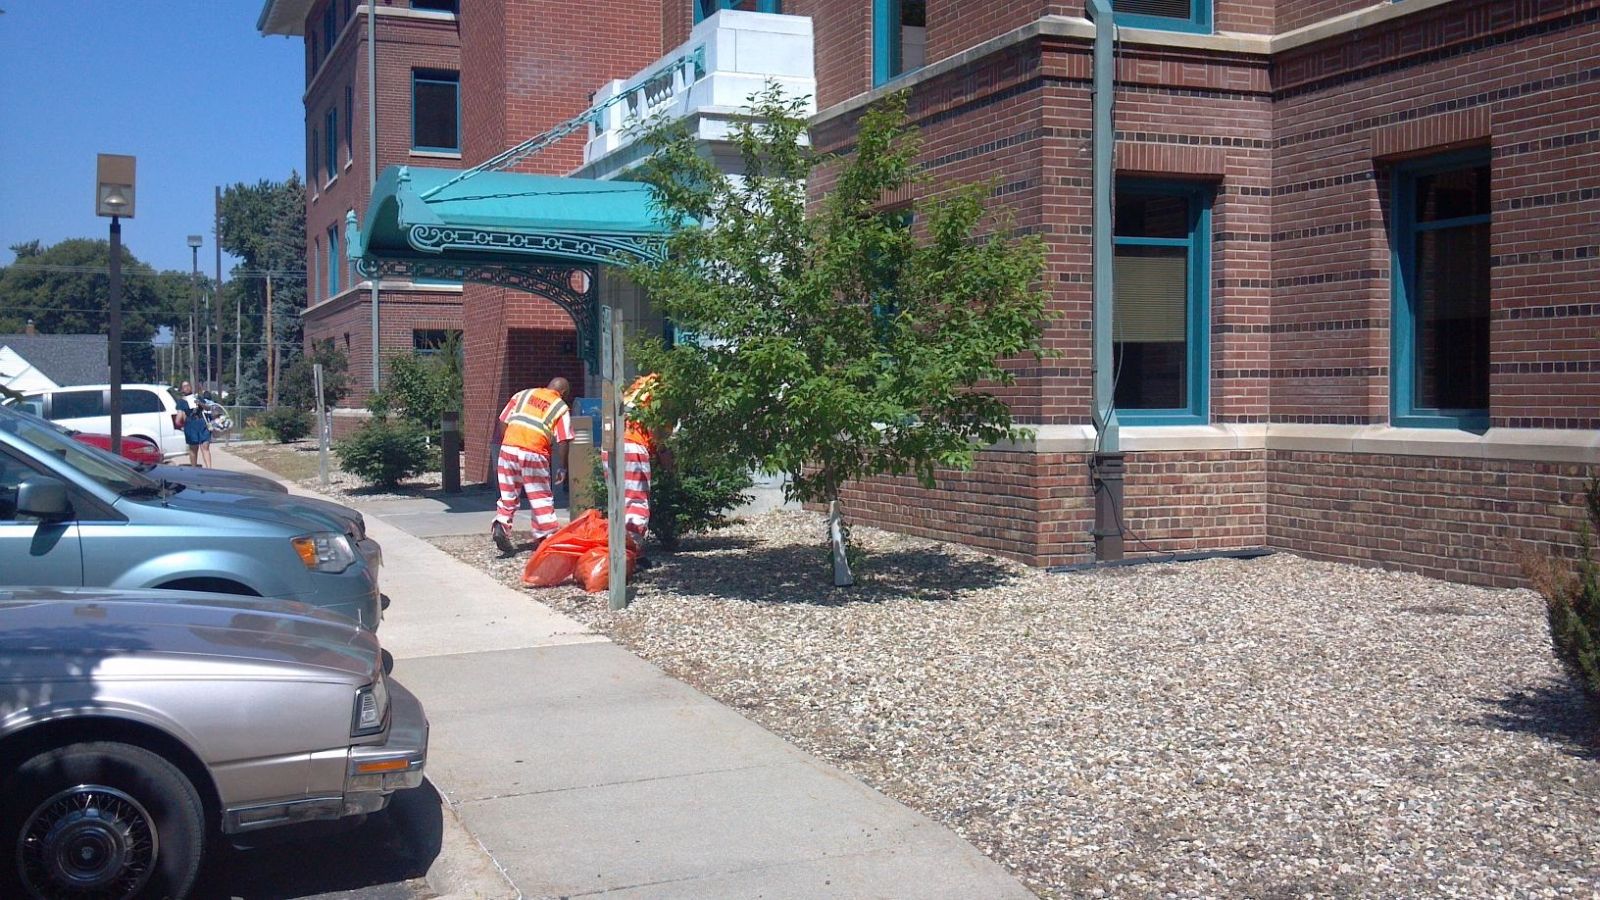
187, 86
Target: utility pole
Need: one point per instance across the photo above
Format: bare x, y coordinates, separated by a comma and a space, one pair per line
217, 232
372, 158
195, 370
272, 378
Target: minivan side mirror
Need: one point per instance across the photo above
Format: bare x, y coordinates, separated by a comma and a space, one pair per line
44, 498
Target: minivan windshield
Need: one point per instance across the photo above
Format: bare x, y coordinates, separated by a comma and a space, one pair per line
110, 475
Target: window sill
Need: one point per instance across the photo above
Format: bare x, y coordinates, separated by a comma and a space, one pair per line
1468, 421
1162, 417
435, 153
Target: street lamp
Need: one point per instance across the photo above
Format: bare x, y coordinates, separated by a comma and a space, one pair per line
194, 304
114, 198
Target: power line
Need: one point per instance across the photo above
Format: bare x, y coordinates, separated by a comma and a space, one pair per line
250, 274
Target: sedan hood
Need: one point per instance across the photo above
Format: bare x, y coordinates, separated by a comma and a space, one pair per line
287, 508
87, 624
215, 479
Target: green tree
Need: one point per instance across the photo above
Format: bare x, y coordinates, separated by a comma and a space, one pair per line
421, 387
1572, 596
264, 226
297, 387
65, 289
839, 343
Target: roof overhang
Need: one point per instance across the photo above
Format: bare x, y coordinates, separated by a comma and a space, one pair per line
506, 218
285, 17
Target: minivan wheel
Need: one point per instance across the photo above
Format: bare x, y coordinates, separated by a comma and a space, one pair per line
101, 820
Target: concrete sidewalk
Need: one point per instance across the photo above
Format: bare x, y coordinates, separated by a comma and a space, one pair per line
583, 770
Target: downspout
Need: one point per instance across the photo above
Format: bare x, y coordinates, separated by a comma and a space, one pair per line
1106, 466
372, 159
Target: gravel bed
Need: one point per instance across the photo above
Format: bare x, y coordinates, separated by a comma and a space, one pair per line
1268, 728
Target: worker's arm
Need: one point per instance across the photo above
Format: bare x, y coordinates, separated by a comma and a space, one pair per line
561, 453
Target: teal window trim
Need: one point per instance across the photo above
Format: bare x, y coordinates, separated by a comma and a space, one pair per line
887, 60
330, 151
435, 76
1403, 411
333, 260
1198, 299
705, 9
1199, 21
315, 162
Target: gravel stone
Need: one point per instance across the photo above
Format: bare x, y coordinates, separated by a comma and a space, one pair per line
1276, 727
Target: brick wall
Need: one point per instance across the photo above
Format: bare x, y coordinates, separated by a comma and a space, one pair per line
1461, 519
347, 321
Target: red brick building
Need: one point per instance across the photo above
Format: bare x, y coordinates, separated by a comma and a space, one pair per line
1356, 250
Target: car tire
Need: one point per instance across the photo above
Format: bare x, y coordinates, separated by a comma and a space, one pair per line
99, 819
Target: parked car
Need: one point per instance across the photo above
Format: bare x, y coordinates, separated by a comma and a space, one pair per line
73, 516
149, 411
138, 727
135, 449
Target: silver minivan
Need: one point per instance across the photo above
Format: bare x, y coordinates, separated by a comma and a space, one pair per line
70, 518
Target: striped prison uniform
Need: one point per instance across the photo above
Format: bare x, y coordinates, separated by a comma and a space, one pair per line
536, 422
635, 484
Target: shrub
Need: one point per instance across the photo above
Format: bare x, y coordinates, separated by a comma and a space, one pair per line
691, 496
385, 452
1572, 600
286, 423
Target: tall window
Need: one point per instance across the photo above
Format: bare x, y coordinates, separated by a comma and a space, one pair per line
316, 261
899, 36
349, 123
1440, 331
333, 260
330, 150
436, 110
1160, 319
1167, 15
705, 9
314, 160
330, 25
429, 341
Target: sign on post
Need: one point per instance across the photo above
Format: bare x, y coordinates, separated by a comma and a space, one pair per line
322, 426
616, 537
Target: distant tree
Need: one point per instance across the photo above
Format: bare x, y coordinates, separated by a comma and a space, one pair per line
843, 342
263, 224
65, 289
297, 388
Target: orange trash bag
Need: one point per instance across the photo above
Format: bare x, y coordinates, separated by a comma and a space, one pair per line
552, 563
593, 569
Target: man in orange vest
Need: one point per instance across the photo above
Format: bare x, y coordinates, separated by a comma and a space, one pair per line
640, 445
536, 430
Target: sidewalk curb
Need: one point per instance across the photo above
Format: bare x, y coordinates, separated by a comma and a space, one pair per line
463, 869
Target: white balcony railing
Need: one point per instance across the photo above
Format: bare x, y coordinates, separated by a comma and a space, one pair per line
711, 77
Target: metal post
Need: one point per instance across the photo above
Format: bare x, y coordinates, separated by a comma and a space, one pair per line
322, 426
372, 158
217, 226
617, 537
1106, 466
115, 350
450, 452
194, 306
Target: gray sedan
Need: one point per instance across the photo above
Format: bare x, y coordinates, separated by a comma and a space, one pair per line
136, 726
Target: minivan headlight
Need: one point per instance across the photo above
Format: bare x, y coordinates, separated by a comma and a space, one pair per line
324, 551
372, 708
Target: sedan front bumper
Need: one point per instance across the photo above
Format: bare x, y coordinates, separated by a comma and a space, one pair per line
377, 770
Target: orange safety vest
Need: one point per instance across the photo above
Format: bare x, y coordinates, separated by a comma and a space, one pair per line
533, 419
639, 395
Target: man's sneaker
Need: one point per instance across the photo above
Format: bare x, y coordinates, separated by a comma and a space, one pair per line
502, 537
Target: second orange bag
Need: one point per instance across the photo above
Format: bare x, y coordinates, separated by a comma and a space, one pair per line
552, 563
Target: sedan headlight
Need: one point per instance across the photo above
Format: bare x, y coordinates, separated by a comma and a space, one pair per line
324, 551
372, 709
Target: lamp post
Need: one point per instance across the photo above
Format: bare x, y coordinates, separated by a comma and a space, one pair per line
114, 198
194, 302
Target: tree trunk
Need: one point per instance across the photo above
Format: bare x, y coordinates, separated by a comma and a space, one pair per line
841, 561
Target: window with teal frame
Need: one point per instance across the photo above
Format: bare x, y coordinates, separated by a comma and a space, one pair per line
1161, 347
436, 110
899, 36
333, 260
1439, 358
314, 161
1164, 15
705, 9
330, 26
349, 123
330, 150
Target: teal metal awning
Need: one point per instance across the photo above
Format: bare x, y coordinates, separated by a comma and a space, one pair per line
539, 233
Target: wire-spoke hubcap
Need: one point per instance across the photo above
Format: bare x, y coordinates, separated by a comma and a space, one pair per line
87, 843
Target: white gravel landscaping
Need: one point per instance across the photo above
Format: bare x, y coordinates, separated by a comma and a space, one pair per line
1268, 728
